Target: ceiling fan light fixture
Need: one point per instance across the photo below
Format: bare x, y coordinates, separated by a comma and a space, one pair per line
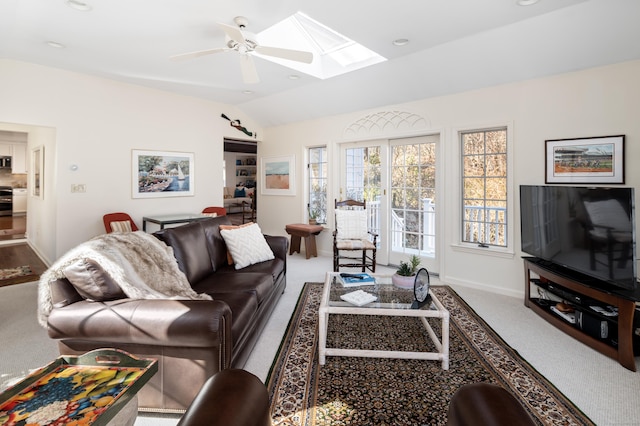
78, 5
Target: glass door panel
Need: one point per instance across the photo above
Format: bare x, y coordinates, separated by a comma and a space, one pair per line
363, 175
413, 225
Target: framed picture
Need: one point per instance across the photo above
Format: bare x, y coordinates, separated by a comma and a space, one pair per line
585, 160
161, 174
278, 176
37, 172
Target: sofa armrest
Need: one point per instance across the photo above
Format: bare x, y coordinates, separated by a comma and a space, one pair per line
188, 323
279, 246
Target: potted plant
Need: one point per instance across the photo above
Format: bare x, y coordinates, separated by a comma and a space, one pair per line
406, 272
313, 216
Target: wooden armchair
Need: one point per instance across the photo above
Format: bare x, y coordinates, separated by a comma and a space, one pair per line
352, 237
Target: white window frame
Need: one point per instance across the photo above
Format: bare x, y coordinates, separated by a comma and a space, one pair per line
456, 160
308, 181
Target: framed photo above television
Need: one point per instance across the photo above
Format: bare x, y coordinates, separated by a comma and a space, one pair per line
592, 160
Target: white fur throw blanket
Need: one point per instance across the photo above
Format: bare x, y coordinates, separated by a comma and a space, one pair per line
143, 266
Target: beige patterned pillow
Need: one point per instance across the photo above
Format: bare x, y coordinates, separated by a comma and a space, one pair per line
121, 226
247, 245
210, 214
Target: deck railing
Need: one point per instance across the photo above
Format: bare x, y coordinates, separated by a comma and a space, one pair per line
481, 224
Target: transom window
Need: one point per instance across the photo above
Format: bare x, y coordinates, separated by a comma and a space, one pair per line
484, 187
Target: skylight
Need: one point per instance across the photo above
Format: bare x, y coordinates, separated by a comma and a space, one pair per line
333, 53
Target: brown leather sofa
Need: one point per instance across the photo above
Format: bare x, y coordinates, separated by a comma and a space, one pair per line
192, 339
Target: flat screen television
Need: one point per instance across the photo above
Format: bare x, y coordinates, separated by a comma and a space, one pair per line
587, 230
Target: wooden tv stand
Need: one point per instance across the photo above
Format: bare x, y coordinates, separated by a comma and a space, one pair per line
623, 351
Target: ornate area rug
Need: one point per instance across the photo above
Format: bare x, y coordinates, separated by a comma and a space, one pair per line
21, 274
370, 391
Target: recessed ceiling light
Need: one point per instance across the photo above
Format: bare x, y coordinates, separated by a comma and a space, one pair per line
248, 92
56, 45
527, 2
294, 77
78, 5
400, 42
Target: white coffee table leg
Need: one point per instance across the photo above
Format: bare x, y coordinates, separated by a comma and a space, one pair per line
323, 317
445, 341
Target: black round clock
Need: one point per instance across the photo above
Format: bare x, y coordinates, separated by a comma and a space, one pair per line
421, 289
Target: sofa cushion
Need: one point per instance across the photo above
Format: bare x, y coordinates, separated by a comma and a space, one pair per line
228, 280
215, 242
189, 245
92, 282
247, 245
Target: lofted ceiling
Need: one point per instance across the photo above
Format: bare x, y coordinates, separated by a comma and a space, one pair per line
454, 45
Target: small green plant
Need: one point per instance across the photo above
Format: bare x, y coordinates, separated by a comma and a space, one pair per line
407, 269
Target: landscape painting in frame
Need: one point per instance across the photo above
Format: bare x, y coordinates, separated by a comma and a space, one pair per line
278, 176
162, 174
585, 160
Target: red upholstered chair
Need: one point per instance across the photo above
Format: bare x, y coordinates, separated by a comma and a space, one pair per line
220, 211
119, 218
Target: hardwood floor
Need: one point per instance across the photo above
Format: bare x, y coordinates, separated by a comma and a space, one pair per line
20, 254
13, 227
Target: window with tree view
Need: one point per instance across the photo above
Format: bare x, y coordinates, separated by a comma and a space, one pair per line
317, 207
484, 187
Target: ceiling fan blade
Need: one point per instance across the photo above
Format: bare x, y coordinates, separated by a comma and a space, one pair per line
233, 33
292, 55
198, 53
248, 68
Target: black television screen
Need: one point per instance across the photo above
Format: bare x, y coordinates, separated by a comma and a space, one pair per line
588, 230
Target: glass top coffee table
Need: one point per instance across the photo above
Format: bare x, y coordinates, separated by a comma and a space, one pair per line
390, 301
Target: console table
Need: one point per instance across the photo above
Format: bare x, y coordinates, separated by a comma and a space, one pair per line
623, 351
169, 219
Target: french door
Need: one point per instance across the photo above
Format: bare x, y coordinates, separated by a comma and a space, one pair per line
397, 178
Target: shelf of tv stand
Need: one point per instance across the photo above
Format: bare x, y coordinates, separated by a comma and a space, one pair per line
623, 353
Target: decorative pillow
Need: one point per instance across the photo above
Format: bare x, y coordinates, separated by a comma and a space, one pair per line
92, 282
239, 193
351, 224
121, 226
247, 245
228, 227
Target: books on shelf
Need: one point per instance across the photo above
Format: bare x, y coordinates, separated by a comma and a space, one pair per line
353, 280
567, 316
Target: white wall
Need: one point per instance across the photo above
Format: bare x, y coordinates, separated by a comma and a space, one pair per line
596, 102
95, 123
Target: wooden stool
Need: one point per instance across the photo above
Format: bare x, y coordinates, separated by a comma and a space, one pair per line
309, 232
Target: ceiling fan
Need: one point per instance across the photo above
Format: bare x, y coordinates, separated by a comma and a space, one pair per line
245, 43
